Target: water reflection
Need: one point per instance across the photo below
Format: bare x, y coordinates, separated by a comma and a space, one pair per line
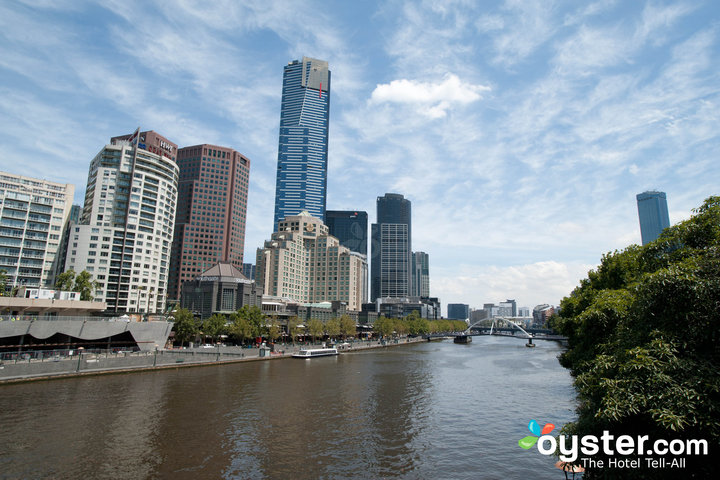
434, 410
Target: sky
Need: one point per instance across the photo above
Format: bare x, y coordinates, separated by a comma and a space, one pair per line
520, 130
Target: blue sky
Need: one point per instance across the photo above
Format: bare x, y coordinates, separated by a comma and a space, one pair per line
520, 130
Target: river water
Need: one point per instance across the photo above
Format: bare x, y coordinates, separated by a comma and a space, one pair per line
422, 411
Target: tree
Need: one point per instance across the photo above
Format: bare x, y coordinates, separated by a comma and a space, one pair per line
315, 328
273, 329
643, 333
85, 285
384, 326
3, 282
293, 328
240, 328
69, 281
65, 281
332, 327
186, 327
347, 326
214, 326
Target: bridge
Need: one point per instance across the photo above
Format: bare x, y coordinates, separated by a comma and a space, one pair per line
507, 327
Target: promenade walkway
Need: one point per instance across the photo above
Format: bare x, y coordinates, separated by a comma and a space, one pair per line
27, 366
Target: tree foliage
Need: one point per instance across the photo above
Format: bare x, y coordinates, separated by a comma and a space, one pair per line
3, 282
248, 322
643, 332
82, 283
186, 326
347, 326
214, 326
315, 328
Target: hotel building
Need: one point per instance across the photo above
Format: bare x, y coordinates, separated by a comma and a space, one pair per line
126, 226
303, 262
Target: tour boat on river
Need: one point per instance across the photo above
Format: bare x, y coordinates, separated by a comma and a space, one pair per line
315, 352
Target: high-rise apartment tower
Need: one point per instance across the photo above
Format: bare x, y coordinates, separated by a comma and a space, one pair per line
301, 183
126, 226
33, 213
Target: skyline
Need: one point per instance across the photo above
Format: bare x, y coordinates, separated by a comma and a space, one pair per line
520, 133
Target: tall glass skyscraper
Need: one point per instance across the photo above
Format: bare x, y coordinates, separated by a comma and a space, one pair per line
350, 227
653, 214
303, 146
391, 262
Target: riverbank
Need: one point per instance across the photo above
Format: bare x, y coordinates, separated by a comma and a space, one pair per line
84, 364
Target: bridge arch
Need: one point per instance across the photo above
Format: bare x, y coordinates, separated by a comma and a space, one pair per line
494, 322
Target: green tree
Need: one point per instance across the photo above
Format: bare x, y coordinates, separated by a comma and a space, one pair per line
315, 328
643, 332
214, 326
82, 283
240, 328
293, 328
85, 285
273, 331
65, 281
332, 327
401, 326
384, 326
347, 326
186, 326
3, 282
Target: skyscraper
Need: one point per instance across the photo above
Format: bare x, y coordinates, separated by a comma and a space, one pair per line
421, 274
458, 311
350, 227
211, 213
653, 215
126, 229
391, 262
33, 213
301, 183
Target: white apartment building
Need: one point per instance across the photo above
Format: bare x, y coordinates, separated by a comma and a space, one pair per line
126, 226
303, 262
33, 213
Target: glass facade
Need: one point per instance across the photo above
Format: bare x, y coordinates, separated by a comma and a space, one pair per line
391, 263
653, 214
301, 183
350, 227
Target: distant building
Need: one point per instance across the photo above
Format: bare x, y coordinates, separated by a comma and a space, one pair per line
653, 215
402, 307
350, 227
391, 263
523, 312
33, 214
458, 311
421, 274
303, 262
248, 269
541, 313
126, 226
508, 308
221, 289
302, 167
211, 212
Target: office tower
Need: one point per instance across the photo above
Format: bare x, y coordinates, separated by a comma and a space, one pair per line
302, 261
211, 213
653, 214
508, 308
391, 261
421, 274
350, 227
248, 269
126, 226
458, 311
33, 213
301, 183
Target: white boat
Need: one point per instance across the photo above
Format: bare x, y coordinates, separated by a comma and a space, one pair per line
315, 352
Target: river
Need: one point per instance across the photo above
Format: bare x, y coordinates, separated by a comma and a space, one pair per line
423, 411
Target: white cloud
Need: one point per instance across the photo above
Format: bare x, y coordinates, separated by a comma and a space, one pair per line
432, 99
